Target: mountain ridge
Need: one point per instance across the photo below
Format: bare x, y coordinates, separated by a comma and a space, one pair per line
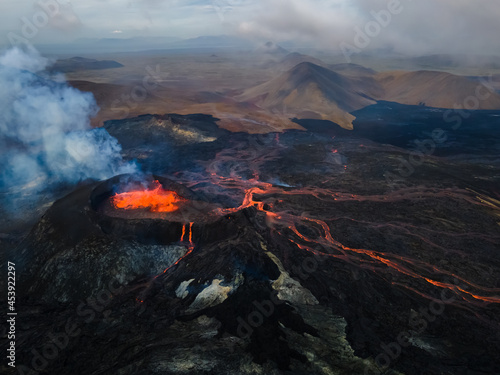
308, 90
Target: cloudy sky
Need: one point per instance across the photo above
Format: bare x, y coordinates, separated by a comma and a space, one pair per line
415, 26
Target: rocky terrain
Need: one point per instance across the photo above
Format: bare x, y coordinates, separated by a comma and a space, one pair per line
326, 251
261, 90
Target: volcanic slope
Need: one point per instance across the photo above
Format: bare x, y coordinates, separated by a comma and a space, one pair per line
293, 59
434, 89
271, 48
349, 69
311, 91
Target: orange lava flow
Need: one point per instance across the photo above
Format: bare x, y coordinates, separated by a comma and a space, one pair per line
156, 200
230, 167
187, 236
364, 258
191, 233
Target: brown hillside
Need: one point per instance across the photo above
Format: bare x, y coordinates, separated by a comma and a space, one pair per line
435, 89
308, 90
293, 59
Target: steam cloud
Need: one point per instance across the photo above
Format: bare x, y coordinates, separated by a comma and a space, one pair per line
45, 133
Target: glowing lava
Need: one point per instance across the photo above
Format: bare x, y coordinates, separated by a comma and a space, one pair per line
262, 196
156, 199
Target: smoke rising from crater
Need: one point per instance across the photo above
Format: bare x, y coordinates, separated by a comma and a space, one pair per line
45, 133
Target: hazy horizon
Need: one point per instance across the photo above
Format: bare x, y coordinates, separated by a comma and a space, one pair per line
336, 26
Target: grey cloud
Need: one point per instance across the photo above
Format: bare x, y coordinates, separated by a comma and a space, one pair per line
423, 26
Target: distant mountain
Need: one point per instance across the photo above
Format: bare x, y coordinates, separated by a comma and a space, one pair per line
458, 61
138, 44
315, 92
311, 91
80, 63
295, 58
434, 89
271, 48
107, 45
138, 40
352, 69
125, 44
219, 41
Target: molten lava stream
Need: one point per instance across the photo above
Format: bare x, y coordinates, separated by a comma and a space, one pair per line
187, 233
156, 200
186, 236
353, 255
375, 261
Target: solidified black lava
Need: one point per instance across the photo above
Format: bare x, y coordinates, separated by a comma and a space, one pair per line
322, 270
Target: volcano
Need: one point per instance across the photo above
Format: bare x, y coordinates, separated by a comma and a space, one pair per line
293, 59
277, 253
119, 215
311, 91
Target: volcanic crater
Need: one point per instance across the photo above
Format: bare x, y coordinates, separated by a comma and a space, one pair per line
154, 208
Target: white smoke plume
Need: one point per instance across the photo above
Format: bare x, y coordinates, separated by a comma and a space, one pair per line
45, 133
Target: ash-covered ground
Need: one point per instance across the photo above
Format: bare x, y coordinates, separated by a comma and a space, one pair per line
330, 252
